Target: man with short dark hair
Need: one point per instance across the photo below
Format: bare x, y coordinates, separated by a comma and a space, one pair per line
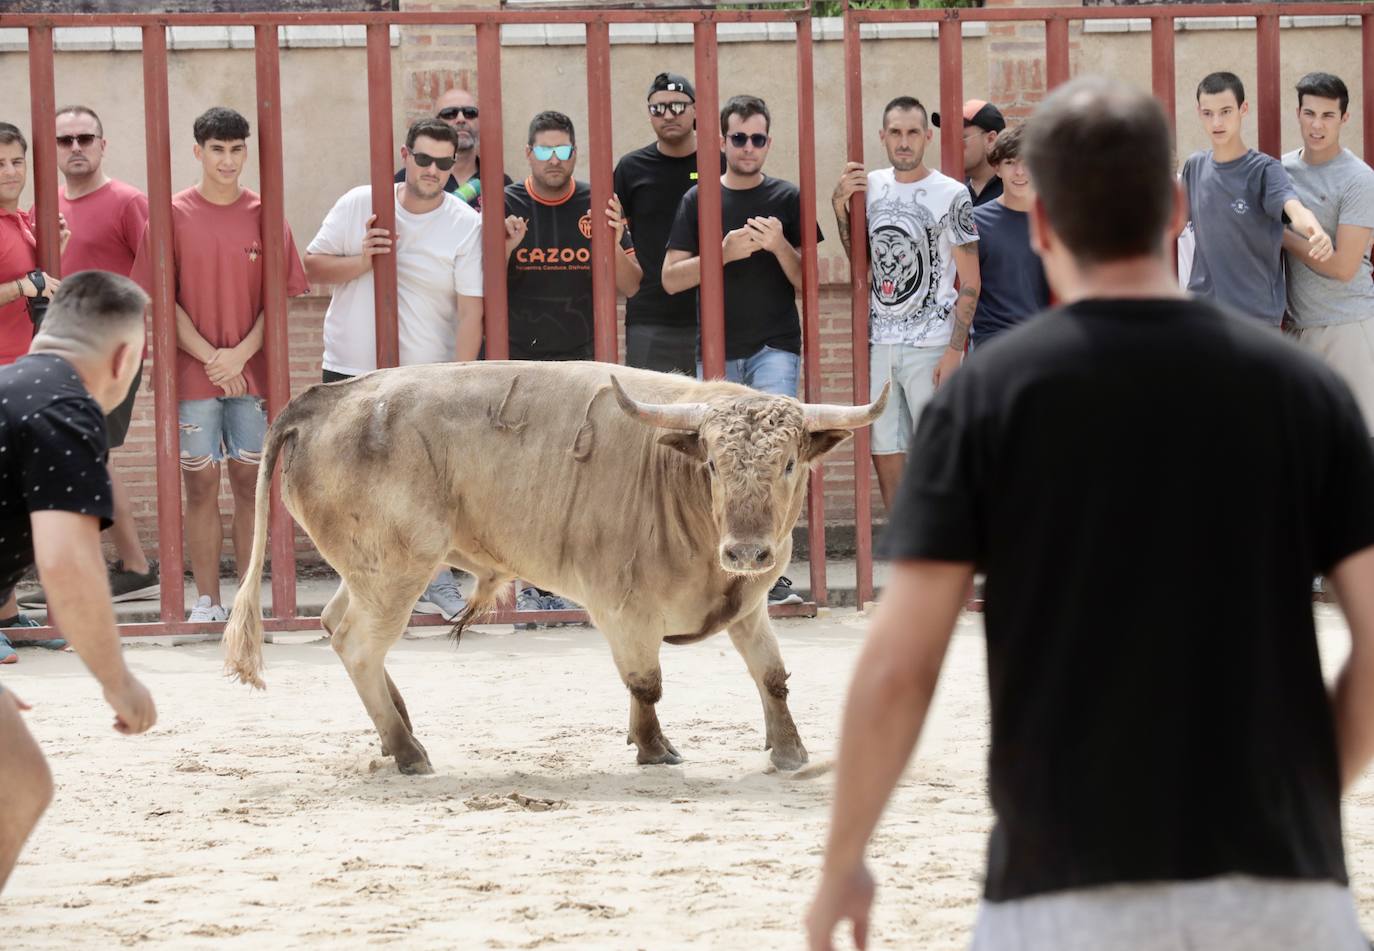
982, 122
457, 108
1331, 302
660, 328
54, 499
221, 368
1237, 200
1162, 775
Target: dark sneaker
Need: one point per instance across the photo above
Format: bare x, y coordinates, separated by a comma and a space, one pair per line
555, 602
16, 625
782, 593
528, 599
126, 585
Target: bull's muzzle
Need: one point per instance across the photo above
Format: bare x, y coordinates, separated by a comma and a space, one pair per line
746, 558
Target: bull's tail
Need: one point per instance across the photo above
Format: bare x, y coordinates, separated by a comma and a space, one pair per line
243, 632
490, 592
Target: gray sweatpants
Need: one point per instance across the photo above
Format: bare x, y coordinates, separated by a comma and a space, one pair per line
1231, 913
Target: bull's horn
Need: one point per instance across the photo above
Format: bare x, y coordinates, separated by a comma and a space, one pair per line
827, 416
666, 415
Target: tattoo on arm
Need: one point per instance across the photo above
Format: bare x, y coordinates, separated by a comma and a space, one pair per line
842, 223
963, 316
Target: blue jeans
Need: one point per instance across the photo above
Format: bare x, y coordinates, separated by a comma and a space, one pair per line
769, 370
224, 426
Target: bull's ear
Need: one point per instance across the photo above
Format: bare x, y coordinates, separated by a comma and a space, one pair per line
822, 441
689, 444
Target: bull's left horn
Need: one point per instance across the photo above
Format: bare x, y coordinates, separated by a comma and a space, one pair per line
666, 415
828, 416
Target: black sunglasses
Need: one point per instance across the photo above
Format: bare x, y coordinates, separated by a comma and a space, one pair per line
85, 140
451, 113
659, 109
425, 160
738, 139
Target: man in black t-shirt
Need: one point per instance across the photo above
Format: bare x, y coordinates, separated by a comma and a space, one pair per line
54, 501
660, 328
1175, 742
761, 220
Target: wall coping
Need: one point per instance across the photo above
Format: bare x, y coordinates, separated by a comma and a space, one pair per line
101, 39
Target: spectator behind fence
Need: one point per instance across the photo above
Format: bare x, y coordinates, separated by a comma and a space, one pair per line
761, 221
920, 235
1011, 279
1331, 302
660, 328
1162, 774
107, 218
549, 225
982, 123
1237, 198
457, 108
221, 368
438, 283
54, 499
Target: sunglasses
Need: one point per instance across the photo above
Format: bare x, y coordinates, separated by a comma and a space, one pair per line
739, 139
545, 152
425, 161
660, 109
85, 140
452, 112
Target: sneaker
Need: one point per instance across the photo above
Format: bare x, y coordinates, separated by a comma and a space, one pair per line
126, 585
528, 599
8, 655
782, 593
554, 602
205, 612
21, 621
442, 597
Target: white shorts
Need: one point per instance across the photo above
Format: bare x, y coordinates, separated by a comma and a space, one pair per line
1349, 350
912, 372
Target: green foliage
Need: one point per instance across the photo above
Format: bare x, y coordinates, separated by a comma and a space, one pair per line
833, 8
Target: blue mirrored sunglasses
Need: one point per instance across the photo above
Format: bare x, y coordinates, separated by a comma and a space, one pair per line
545, 152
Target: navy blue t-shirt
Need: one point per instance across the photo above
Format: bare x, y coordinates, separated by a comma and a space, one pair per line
1013, 285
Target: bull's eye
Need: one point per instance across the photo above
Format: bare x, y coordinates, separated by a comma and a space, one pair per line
791, 465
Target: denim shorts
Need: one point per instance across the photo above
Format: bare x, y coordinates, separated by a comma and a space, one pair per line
912, 372
768, 370
212, 430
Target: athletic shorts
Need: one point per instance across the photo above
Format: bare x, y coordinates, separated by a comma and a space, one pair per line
1349, 350
117, 421
912, 372
665, 349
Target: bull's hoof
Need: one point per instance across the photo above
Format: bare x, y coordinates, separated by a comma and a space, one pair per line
658, 753
419, 767
789, 760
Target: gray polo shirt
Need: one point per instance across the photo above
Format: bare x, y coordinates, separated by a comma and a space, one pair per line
1237, 212
1338, 192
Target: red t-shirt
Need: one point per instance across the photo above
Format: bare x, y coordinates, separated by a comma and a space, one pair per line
217, 255
18, 256
107, 226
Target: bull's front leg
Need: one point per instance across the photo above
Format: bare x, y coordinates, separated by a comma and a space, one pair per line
753, 637
636, 657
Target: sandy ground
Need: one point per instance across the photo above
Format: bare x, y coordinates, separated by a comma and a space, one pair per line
271, 820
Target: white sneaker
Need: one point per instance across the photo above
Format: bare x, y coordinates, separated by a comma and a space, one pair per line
204, 612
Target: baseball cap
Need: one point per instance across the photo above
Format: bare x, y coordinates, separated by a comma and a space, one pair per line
978, 112
672, 82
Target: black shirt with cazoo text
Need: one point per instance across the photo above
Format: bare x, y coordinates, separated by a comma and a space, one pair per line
549, 274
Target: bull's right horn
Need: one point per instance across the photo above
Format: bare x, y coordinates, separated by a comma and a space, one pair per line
686, 416
821, 416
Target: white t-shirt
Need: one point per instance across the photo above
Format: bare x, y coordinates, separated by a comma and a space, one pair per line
438, 257
912, 230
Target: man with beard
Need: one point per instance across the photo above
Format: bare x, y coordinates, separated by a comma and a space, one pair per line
438, 283
457, 108
982, 123
660, 328
920, 235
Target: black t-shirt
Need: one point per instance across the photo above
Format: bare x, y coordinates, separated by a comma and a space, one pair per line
760, 302
1012, 285
549, 275
452, 185
1150, 487
993, 189
650, 186
52, 454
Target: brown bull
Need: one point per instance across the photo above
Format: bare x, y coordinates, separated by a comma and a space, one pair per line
665, 507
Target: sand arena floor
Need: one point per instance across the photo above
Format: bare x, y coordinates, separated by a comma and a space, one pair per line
271, 820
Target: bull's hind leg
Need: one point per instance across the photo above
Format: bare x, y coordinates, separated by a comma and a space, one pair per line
753, 637
636, 657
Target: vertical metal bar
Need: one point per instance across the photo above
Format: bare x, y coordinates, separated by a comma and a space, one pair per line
1269, 92
709, 226
495, 325
1162, 65
858, 309
159, 149
811, 289
44, 131
952, 96
268, 62
599, 137
1367, 82
1056, 51
383, 189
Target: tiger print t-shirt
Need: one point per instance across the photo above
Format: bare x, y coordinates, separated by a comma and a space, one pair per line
913, 228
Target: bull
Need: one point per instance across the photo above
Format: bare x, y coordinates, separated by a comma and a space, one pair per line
663, 504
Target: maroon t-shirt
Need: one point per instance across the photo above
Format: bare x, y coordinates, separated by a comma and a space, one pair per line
217, 253
18, 256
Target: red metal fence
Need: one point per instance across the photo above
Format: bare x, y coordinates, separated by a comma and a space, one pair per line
597, 23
